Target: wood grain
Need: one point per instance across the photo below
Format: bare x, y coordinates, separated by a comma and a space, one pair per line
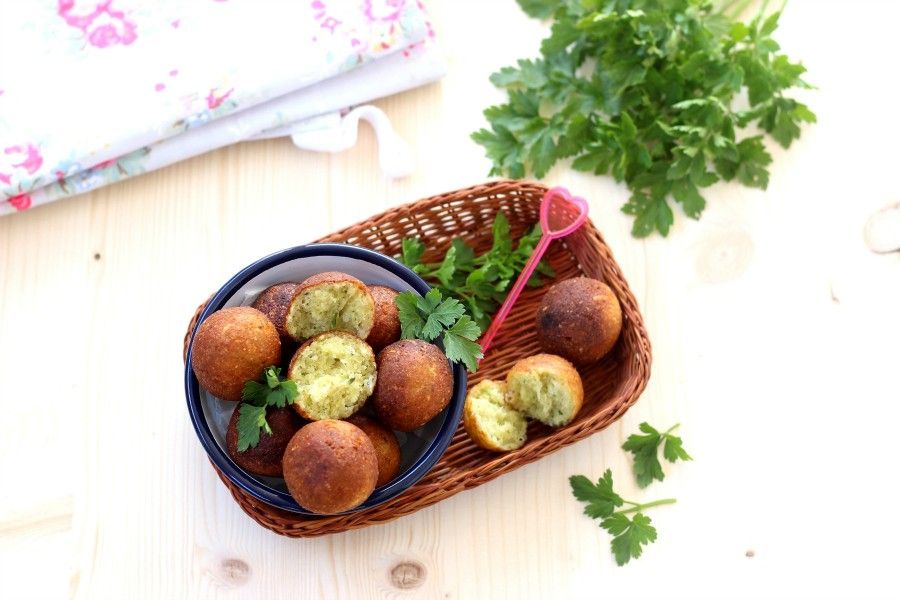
775, 342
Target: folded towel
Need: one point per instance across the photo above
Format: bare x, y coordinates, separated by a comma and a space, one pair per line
94, 92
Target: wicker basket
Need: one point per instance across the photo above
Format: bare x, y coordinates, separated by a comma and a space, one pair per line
611, 386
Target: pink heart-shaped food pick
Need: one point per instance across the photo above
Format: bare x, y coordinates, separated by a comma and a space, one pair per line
561, 214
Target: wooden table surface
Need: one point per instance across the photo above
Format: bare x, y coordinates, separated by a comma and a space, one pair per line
775, 335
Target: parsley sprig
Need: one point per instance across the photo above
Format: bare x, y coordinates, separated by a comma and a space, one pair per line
645, 449
480, 282
256, 397
645, 90
431, 316
630, 533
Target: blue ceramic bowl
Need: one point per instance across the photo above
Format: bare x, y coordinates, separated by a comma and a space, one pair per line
420, 449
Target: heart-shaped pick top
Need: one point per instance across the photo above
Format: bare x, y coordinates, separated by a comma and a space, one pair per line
561, 214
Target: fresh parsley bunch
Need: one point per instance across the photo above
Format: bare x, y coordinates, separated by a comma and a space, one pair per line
431, 316
645, 90
480, 282
256, 397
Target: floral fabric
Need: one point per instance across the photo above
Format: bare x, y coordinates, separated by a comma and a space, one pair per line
95, 91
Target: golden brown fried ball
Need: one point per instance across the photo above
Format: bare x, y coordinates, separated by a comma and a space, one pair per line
231, 347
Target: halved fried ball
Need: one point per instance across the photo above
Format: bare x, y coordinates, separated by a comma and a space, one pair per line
275, 303
386, 328
545, 387
335, 374
233, 346
414, 384
579, 319
265, 457
330, 301
387, 449
330, 466
489, 420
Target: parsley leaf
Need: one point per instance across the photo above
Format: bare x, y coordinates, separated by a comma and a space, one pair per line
256, 397
478, 282
250, 420
443, 315
673, 450
411, 321
601, 498
431, 316
412, 249
460, 343
429, 301
630, 534
540, 9
646, 91
271, 374
645, 450
503, 150
255, 393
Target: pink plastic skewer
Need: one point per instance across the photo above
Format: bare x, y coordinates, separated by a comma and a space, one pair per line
548, 235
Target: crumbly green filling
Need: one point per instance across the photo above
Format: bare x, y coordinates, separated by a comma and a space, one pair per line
542, 396
331, 306
334, 376
503, 426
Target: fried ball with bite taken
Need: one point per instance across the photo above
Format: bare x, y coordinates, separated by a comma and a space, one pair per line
334, 373
330, 301
231, 347
386, 328
545, 387
265, 457
387, 449
579, 319
489, 420
330, 466
414, 384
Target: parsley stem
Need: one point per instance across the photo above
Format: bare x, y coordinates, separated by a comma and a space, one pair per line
734, 8
672, 428
640, 507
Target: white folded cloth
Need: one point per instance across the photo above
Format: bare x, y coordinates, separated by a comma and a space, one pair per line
94, 92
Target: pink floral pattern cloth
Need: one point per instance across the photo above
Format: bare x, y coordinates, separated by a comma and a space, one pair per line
95, 91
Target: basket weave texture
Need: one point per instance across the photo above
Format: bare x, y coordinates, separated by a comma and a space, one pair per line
611, 386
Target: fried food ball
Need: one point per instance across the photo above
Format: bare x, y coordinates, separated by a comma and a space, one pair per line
545, 387
233, 346
330, 301
579, 319
414, 384
489, 420
330, 466
386, 328
335, 374
387, 449
275, 302
265, 457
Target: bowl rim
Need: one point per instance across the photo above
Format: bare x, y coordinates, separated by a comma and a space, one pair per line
248, 482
